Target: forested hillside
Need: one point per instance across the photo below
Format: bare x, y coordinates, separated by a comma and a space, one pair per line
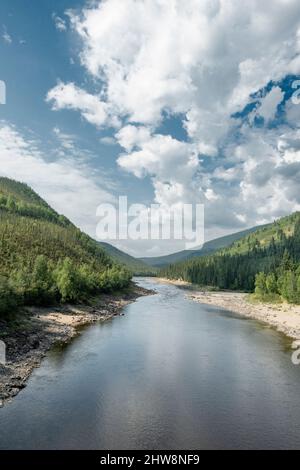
44, 257
207, 249
267, 260
138, 267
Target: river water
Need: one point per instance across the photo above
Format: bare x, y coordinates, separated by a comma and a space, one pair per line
170, 374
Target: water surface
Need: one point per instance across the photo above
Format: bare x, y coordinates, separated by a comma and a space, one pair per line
170, 374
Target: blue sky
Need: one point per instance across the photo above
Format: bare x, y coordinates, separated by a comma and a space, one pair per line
164, 102
37, 57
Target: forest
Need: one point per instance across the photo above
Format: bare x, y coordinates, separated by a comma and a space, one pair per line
45, 259
265, 262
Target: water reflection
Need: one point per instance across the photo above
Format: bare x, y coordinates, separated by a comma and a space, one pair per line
170, 374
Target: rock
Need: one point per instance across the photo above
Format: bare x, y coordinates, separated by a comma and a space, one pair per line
34, 343
17, 383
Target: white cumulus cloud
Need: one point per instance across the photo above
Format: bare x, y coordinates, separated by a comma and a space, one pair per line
69, 96
65, 183
200, 61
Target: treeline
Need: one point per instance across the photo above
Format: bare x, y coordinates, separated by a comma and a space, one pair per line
21, 192
44, 258
283, 283
10, 204
22, 239
236, 268
47, 283
43, 262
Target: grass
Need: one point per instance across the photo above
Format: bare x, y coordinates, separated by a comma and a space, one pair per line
266, 298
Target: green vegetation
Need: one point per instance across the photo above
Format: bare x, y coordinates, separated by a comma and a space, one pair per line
266, 261
284, 283
8, 298
44, 257
17, 198
207, 249
138, 267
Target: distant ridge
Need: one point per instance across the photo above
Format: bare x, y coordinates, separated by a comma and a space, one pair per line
137, 266
208, 248
272, 251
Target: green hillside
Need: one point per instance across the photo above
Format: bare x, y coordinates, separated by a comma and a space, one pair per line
138, 267
208, 248
263, 237
266, 260
44, 257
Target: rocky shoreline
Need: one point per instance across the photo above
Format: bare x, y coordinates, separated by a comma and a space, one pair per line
30, 335
282, 316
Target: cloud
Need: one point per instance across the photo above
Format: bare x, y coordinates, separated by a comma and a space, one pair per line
130, 136
201, 62
265, 158
69, 96
65, 183
108, 140
6, 37
224, 51
289, 146
170, 163
267, 106
66, 140
59, 22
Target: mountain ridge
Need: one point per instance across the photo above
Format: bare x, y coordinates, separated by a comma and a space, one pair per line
137, 266
267, 260
44, 257
208, 247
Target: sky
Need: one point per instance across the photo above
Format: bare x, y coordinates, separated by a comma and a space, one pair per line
164, 101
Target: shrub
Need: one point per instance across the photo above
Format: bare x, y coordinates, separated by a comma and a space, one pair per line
8, 297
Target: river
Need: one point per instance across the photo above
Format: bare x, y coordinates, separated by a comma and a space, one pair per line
170, 374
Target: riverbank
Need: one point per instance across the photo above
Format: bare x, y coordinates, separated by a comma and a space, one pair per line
28, 337
283, 316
